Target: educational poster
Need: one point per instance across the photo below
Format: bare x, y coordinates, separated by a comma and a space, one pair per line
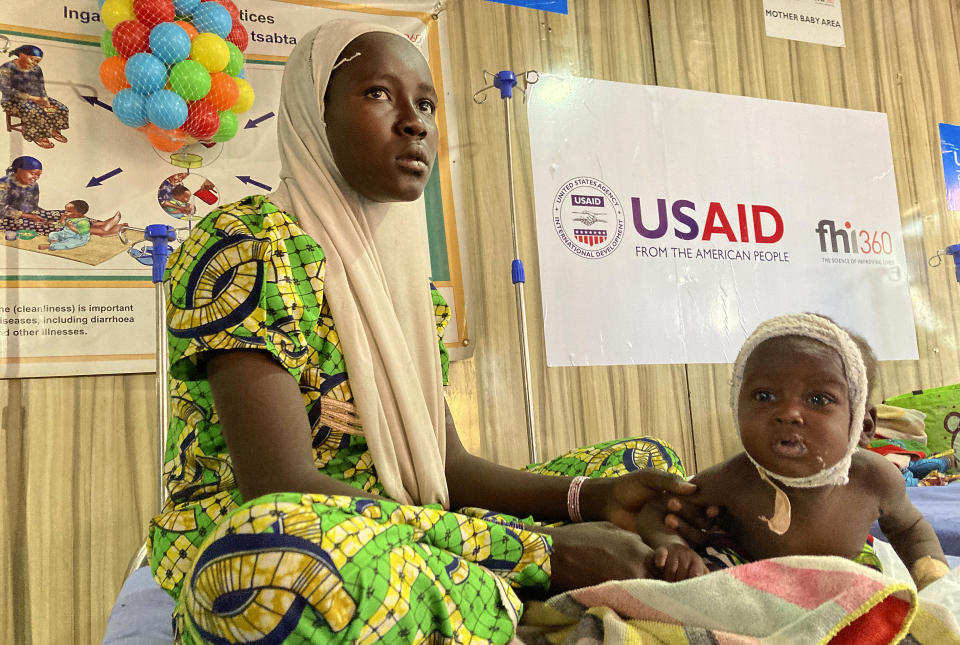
80, 186
670, 222
812, 21
950, 153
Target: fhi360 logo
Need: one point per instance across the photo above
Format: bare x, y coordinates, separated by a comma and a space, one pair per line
588, 217
836, 238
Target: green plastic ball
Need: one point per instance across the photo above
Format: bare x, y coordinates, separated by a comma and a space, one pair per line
190, 80
229, 123
106, 44
236, 60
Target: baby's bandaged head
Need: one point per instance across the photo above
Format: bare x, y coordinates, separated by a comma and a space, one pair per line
825, 331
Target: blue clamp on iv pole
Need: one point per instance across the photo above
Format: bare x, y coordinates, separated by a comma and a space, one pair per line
954, 251
159, 237
506, 81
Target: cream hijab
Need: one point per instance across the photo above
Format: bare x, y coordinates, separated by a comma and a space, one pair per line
376, 280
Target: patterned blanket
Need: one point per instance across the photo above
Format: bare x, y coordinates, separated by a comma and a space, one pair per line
799, 600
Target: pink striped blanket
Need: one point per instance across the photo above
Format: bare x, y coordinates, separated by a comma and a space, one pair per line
799, 600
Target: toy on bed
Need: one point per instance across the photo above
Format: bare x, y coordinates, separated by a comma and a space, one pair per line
901, 437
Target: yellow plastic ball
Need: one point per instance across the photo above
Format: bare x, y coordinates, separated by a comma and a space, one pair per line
245, 99
211, 51
114, 12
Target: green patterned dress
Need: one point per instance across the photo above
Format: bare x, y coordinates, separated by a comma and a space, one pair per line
296, 568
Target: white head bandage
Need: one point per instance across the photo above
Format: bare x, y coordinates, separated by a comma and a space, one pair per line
823, 330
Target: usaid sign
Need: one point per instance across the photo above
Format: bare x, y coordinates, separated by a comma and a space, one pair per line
671, 222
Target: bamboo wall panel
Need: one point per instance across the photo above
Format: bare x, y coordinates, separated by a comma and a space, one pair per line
609, 39
80, 473
79, 466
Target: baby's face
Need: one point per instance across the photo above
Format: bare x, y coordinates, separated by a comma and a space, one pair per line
794, 407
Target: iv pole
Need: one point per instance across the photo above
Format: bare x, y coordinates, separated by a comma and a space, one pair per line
158, 238
506, 81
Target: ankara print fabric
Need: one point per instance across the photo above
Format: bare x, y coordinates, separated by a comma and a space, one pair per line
247, 278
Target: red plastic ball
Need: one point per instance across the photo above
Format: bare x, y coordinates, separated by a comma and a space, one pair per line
131, 37
230, 7
152, 12
238, 36
202, 120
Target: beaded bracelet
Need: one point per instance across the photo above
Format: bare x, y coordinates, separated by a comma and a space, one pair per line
573, 498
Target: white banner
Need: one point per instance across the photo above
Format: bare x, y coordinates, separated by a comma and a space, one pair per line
671, 222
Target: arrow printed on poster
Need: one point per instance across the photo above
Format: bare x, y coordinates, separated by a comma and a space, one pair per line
246, 179
252, 123
94, 101
96, 181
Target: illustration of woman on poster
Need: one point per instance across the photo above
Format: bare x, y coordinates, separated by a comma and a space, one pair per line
24, 95
19, 192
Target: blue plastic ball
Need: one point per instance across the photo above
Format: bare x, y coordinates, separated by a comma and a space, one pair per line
169, 42
185, 7
214, 18
146, 73
129, 107
100, 4
166, 109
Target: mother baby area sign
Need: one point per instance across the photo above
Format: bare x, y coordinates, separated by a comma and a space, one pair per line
671, 222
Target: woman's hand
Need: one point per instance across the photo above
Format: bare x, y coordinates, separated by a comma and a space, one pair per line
593, 552
622, 498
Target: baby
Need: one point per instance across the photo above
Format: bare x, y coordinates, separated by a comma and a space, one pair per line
76, 227
801, 486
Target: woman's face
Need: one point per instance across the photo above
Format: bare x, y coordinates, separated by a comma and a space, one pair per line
380, 111
28, 177
27, 62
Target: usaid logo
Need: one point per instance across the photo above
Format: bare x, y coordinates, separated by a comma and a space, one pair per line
588, 217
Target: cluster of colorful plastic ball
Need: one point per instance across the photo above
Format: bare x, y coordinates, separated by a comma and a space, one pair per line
176, 68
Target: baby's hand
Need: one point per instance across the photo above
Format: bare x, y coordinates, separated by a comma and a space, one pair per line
678, 562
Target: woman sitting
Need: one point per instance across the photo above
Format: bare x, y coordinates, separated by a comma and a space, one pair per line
311, 460
20, 194
23, 94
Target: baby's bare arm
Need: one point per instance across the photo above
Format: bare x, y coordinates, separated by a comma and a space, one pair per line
910, 534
